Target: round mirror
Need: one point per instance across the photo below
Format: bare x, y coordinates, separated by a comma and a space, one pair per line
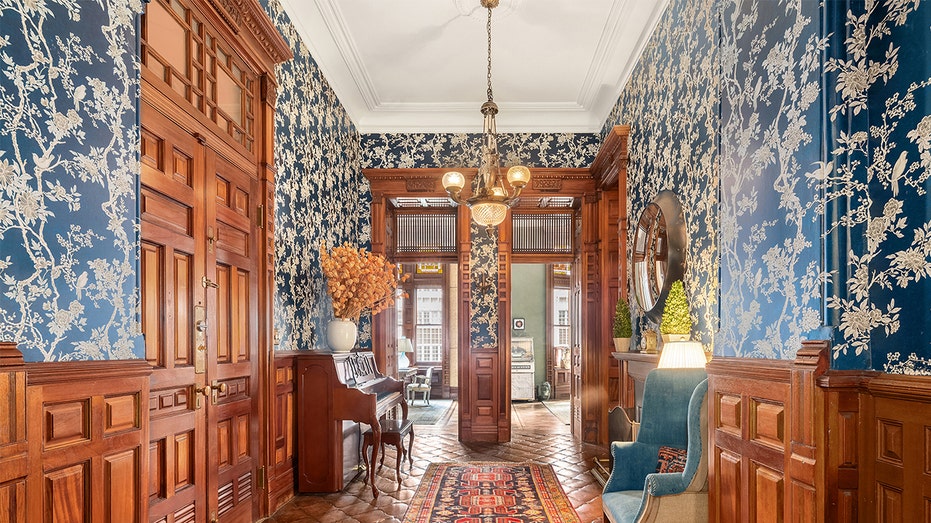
658, 253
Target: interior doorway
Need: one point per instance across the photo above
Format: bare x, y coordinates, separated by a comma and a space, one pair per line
541, 334
428, 328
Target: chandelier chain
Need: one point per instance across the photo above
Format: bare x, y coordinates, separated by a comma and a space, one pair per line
491, 97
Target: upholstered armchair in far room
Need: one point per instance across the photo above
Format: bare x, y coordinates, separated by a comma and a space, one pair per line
663, 475
422, 384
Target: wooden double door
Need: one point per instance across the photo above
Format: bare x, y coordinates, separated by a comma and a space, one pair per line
199, 273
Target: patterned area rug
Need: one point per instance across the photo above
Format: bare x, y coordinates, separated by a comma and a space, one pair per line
490, 492
423, 414
560, 409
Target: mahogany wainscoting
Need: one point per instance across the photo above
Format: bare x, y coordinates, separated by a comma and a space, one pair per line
281, 433
14, 453
88, 442
794, 441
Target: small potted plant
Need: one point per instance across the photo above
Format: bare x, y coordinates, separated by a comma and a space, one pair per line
622, 329
677, 323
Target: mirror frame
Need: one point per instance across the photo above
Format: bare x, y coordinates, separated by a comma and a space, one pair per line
665, 205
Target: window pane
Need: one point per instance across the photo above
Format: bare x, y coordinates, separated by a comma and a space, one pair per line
561, 316
428, 332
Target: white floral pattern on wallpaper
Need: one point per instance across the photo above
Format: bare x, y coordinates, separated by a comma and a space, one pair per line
483, 308
68, 179
415, 150
320, 193
771, 276
671, 105
880, 172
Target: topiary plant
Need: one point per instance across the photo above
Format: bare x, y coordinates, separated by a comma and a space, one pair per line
622, 327
676, 318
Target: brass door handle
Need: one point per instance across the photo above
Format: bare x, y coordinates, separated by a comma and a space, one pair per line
216, 386
207, 282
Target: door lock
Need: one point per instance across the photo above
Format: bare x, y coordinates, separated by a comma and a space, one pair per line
200, 339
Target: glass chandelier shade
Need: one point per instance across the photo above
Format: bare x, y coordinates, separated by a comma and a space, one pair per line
491, 198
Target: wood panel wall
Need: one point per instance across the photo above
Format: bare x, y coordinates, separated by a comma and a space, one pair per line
88, 441
14, 458
896, 468
281, 433
794, 441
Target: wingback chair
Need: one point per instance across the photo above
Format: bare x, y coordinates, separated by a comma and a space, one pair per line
674, 416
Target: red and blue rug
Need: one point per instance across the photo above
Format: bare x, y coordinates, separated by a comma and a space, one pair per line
490, 492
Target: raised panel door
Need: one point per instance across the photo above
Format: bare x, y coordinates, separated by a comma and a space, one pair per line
172, 261
232, 424
200, 318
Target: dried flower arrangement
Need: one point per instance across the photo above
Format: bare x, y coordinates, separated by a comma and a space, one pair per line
358, 280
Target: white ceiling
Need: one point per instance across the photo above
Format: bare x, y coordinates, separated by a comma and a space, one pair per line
419, 65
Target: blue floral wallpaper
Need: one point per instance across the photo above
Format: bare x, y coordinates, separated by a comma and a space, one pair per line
797, 135
321, 196
671, 103
483, 309
415, 150
770, 226
68, 179
801, 150
878, 177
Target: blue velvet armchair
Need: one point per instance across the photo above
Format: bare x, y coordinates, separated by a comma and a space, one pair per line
674, 415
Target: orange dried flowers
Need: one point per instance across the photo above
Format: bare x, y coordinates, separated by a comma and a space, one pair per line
358, 280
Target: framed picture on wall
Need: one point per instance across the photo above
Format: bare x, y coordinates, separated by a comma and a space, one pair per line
518, 324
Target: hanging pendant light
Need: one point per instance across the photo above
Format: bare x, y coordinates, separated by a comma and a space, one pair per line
491, 199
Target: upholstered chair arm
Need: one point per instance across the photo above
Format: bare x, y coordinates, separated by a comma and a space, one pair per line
662, 484
632, 462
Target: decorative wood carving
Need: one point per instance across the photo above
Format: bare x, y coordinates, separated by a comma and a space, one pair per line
546, 184
420, 184
229, 12
262, 29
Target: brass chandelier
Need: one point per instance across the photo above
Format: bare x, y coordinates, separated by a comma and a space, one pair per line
491, 199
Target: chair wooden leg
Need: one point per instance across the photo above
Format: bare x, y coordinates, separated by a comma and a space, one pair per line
397, 464
410, 453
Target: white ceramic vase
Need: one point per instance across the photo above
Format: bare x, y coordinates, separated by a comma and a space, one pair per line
341, 335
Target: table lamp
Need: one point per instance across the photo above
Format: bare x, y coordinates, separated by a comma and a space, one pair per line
404, 346
682, 354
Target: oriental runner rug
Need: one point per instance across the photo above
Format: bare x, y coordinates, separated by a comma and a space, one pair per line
490, 492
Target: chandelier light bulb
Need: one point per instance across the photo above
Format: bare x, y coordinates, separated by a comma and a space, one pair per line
518, 176
453, 181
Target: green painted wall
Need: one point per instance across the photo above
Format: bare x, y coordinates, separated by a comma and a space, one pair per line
528, 301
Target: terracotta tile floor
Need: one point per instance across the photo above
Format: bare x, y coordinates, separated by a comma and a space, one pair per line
536, 435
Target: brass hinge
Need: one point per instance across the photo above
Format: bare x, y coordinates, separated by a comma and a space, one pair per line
260, 217
261, 478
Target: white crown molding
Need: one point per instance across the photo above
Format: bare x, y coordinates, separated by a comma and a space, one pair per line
625, 33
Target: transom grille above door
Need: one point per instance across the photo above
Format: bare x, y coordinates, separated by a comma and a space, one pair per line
426, 233
542, 233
